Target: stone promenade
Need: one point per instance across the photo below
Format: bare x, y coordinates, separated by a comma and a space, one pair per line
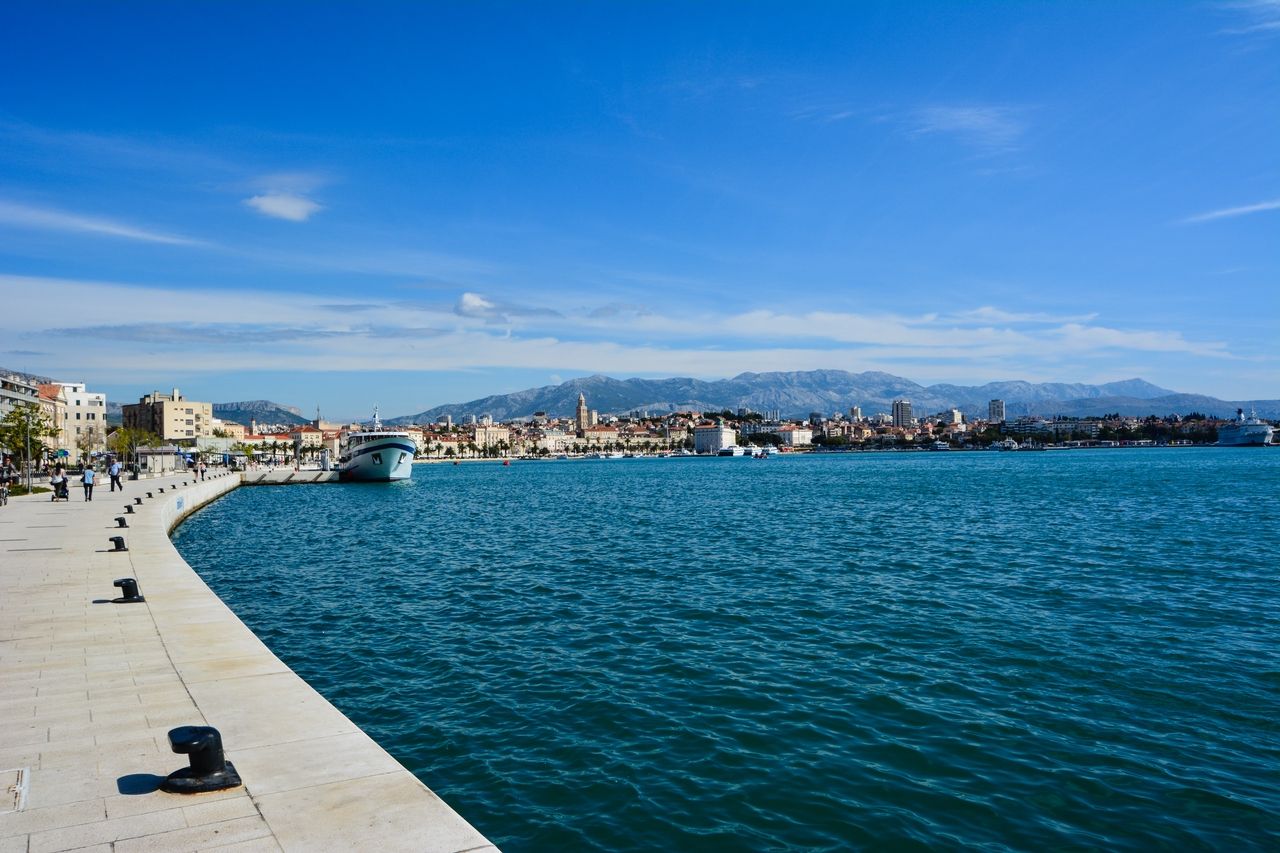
89, 691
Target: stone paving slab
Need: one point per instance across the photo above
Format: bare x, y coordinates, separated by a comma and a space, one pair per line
90, 689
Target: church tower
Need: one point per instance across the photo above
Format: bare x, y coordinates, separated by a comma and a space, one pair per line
581, 418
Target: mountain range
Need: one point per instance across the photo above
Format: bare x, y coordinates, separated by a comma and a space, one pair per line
796, 394
262, 411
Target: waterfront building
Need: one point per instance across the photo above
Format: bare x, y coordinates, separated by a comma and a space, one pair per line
16, 391
79, 416
581, 417
599, 435
794, 436
488, 436
53, 404
855, 413
170, 416
902, 414
231, 429
306, 436
995, 411
712, 438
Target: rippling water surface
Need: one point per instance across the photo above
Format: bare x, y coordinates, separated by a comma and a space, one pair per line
1010, 651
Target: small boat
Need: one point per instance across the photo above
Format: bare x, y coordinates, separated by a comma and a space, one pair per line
375, 455
733, 450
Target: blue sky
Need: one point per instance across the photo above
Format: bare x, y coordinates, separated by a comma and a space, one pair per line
413, 204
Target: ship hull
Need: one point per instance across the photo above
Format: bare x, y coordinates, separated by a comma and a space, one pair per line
1249, 435
378, 460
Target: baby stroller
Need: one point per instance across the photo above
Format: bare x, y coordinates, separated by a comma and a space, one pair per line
60, 490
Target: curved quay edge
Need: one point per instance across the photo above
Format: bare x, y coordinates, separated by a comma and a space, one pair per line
89, 691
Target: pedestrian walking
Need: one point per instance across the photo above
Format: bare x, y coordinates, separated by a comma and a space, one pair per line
203, 468
86, 479
114, 473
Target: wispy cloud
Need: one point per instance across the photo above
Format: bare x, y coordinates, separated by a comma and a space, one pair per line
1256, 17
989, 314
48, 219
990, 128
480, 307
1229, 212
485, 332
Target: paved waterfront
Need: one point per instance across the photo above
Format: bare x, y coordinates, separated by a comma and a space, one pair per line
89, 691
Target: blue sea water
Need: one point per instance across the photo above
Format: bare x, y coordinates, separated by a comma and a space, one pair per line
1063, 650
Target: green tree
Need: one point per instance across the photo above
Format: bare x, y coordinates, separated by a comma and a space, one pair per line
23, 432
126, 441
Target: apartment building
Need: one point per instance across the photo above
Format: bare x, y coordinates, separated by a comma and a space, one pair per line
170, 416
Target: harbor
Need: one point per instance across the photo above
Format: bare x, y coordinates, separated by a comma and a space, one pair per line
91, 690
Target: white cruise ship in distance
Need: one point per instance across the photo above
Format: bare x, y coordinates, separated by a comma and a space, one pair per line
375, 455
1245, 432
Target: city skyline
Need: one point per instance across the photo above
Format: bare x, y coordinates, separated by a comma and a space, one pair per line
420, 205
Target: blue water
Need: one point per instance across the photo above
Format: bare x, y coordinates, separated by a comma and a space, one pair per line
1071, 650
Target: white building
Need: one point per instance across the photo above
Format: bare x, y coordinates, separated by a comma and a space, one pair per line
16, 391
712, 438
86, 420
902, 414
793, 436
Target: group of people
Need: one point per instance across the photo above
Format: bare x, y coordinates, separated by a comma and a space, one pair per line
88, 478
58, 479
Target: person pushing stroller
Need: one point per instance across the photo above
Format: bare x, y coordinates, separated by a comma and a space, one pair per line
58, 482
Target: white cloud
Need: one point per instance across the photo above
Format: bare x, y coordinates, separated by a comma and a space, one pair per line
992, 128
290, 206
1229, 212
1259, 17
144, 331
46, 219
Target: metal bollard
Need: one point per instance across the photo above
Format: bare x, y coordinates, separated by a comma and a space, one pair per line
129, 509
209, 770
121, 522
137, 501
150, 495
117, 543
128, 591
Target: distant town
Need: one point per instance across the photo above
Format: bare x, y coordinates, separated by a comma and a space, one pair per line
42, 422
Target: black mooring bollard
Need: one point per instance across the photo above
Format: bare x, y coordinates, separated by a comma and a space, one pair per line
117, 543
129, 509
150, 495
128, 591
121, 522
137, 501
209, 770
162, 491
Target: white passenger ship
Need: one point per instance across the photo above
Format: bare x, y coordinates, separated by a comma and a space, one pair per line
1245, 432
375, 455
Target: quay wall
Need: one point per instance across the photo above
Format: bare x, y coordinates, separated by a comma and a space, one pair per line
312, 745
89, 690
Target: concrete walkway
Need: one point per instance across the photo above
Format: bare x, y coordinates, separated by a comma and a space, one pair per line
89, 691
